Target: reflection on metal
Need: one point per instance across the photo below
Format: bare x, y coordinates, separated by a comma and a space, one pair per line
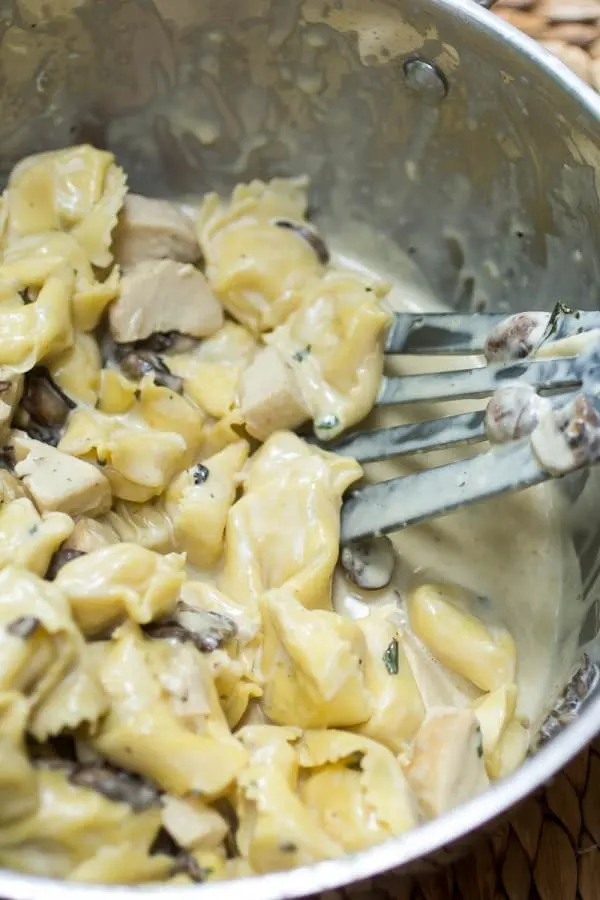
426, 79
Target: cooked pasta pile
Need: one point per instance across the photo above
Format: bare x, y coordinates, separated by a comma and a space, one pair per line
179, 699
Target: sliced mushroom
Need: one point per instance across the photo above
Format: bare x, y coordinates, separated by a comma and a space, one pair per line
44, 400
7, 457
23, 627
167, 342
513, 412
206, 630
60, 559
311, 237
138, 363
44, 407
369, 563
121, 787
516, 336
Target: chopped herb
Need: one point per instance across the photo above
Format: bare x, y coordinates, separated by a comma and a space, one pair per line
33, 530
327, 423
354, 761
390, 657
288, 847
136, 364
201, 474
302, 354
23, 627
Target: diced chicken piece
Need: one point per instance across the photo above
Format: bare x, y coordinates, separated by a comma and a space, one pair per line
447, 766
11, 391
90, 534
154, 229
270, 396
59, 482
161, 296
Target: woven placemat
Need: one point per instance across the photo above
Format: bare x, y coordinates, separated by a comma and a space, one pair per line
550, 848
568, 28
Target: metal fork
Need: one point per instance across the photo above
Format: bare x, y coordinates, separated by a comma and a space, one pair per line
393, 505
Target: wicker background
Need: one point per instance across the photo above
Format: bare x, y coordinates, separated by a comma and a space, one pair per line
568, 28
550, 850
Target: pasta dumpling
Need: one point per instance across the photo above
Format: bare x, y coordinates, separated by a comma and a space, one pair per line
79, 190
459, 640
77, 699
284, 531
28, 540
276, 831
146, 524
312, 666
333, 343
122, 579
356, 787
74, 826
198, 502
234, 659
182, 743
77, 369
150, 434
212, 371
398, 709
18, 778
32, 332
50, 250
256, 267
138, 461
38, 638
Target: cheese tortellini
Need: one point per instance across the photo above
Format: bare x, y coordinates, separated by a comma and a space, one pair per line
180, 698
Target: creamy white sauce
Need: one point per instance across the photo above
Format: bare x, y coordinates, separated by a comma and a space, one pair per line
515, 551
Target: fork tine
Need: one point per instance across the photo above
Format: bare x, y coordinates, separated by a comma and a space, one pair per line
544, 374
403, 440
420, 437
458, 333
395, 504
441, 333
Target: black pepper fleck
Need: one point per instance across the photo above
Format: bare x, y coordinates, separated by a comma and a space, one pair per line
288, 847
201, 474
